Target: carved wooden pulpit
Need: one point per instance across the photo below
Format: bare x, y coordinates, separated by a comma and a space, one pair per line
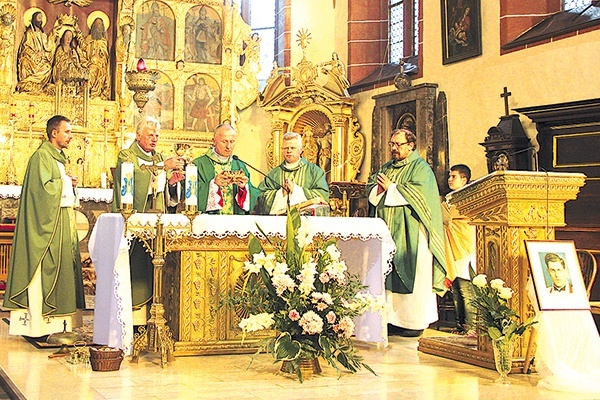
507, 208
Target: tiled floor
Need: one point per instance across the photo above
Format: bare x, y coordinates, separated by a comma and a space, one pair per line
402, 373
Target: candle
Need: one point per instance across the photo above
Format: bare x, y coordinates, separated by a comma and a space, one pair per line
191, 185
31, 111
103, 180
13, 110
127, 183
141, 65
122, 116
106, 115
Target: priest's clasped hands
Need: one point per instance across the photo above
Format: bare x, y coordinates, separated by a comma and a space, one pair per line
383, 183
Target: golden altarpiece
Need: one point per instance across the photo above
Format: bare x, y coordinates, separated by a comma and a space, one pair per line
72, 58
312, 99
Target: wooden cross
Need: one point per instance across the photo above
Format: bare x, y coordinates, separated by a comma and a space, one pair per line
505, 96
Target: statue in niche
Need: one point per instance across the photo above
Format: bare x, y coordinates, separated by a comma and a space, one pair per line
155, 32
309, 145
7, 43
203, 36
34, 58
68, 62
96, 50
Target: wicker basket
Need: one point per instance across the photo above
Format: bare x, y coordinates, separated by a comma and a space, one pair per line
105, 358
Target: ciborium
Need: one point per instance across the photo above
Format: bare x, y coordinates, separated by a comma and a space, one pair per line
140, 82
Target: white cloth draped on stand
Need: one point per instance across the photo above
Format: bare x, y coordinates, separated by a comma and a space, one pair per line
568, 350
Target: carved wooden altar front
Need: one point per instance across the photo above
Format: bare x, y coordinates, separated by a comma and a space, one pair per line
507, 208
72, 59
199, 273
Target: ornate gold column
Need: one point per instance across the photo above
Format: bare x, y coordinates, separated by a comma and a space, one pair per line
507, 208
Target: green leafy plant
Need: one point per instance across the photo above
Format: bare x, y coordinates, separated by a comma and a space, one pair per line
303, 293
497, 320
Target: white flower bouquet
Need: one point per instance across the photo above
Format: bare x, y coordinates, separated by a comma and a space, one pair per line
305, 295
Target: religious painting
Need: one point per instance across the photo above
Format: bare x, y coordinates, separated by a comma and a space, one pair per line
203, 35
155, 31
556, 275
461, 30
202, 106
160, 101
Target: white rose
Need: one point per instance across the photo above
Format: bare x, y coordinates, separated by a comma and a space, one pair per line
480, 280
505, 293
497, 284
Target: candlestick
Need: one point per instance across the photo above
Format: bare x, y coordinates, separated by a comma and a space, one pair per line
103, 180
13, 110
122, 116
126, 183
191, 185
106, 115
31, 111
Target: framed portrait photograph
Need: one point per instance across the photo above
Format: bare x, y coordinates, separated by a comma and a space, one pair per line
556, 275
461, 30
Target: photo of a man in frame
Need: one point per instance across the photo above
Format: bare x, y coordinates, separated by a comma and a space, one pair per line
557, 271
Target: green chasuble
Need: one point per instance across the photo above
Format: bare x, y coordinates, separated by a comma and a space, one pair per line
46, 238
210, 166
306, 175
416, 183
142, 179
142, 270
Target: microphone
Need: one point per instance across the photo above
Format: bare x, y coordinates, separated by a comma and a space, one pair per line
257, 170
267, 177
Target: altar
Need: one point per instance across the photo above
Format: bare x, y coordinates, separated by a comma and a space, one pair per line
207, 263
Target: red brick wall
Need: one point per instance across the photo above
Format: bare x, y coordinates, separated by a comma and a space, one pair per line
367, 37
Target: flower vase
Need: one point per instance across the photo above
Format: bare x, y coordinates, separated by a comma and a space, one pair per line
503, 355
308, 367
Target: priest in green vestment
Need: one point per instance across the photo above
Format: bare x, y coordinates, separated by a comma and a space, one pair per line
405, 195
147, 185
223, 180
293, 182
44, 287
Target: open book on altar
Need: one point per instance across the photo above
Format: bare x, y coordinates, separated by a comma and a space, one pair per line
314, 207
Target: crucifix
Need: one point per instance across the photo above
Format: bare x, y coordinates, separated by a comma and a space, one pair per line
505, 96
155, 170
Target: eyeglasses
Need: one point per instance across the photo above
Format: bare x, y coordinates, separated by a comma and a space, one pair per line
392, 144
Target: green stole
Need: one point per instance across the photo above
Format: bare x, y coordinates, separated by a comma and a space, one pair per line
142, 179
306, 175
416, 183
209, 165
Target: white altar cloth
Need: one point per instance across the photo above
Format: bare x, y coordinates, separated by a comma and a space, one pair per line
365, 244
85, 194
